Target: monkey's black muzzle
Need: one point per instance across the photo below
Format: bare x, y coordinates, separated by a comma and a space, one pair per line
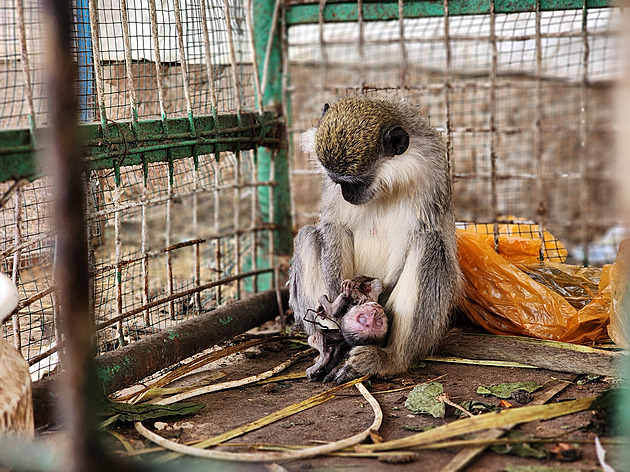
355, 190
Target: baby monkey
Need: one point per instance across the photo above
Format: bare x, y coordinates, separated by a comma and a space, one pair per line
354, 318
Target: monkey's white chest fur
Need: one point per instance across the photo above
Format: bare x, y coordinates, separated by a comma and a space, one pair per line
380, 239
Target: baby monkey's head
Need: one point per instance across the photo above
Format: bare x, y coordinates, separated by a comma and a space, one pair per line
365, 324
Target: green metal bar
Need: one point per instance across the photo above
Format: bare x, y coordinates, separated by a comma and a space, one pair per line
388, 10
122, 145
272, 98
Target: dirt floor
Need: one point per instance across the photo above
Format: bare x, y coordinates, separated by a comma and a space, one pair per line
348, 413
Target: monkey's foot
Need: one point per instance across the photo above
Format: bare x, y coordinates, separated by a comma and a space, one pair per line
342, 374
362, 289
321, 368
352, 288
362, 360
316, 372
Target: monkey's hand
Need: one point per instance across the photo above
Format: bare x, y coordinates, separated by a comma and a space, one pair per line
362, 360
318, 370
361, 289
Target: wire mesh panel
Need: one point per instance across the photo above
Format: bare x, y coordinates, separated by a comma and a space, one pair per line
179, 201
523, 100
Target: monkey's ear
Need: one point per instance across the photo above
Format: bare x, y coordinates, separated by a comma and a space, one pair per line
307, 140
325, 108
396, 141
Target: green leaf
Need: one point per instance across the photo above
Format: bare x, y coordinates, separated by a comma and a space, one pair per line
419, 428
421, 400
537, 468
522, 450
475, 406
504, 390
145, 411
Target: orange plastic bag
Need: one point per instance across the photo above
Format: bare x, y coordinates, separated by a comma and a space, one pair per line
615, 283
520, 242
504, 299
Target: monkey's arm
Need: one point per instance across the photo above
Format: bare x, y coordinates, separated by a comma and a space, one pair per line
337, 260
321, 255
419, 306
337, 308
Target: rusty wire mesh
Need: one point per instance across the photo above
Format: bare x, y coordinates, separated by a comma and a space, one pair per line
523, 100
168, 239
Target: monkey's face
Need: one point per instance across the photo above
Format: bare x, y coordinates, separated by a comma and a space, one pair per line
354, 136
364, 324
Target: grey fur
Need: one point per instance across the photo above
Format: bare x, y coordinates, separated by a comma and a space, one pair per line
326, 253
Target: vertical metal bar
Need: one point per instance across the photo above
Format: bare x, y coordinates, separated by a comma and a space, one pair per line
236, 87
128, 65
63, 159
15, 320
279, 198
237, 220
403, 44
213, 102
55, 305
195, 229
91, 208
184, 64
217, 228
583, 168
493, 130
157, 59
252, 45
286, 111
209, 68
361, 46
167, 239
272, 207
538, 146
236, 84
254, 218
96, 52
447, 85
160, 87
322, 44
186, 79
26, 68
145, 245
117, 254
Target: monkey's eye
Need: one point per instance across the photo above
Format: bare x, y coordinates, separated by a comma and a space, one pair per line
396, 141
325, 108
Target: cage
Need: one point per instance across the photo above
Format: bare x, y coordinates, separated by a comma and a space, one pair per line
521, 92
191, 114
185, 203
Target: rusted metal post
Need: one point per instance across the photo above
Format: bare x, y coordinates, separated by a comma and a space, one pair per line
62, 159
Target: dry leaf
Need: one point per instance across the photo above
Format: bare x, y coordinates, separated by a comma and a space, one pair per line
565, 452
375, 437
505, 404
402, 458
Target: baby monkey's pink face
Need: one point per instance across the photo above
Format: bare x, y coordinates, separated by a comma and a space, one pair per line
364, 324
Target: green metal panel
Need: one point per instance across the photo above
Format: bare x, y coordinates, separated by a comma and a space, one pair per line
119, 145
272, 98
388, 10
